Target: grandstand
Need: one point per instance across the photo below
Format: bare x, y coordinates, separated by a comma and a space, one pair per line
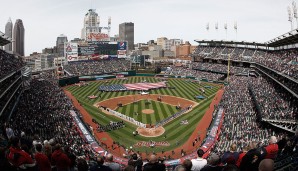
97, 67
260, 100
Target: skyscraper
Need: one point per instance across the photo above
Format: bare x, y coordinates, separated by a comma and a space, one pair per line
18, 38
8, 33
61, 39
91, 24
126, 33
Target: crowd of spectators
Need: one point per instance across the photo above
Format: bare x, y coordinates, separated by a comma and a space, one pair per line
9, 63
184, 72
219, 68
284, 61
97, 67
240, 125
275, 103
43, 115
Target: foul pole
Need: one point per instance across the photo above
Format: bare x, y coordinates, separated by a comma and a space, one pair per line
229, 59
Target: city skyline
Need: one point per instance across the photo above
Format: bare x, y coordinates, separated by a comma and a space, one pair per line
257, 21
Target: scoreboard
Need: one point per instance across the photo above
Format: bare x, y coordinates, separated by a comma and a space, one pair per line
106, 48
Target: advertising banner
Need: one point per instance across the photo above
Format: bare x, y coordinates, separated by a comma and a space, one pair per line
121, 53
97, 37
122, 45
71, 51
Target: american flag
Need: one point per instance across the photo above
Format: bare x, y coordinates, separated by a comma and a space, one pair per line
145, 86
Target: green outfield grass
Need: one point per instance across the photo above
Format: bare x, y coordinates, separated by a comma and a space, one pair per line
174, 131
161, 111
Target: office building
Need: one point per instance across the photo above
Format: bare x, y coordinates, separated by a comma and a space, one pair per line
126, 33
8, 33
91, 24
61, 39
18, 38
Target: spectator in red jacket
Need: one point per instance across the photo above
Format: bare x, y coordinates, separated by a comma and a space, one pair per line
60, 159
242, 154
18, 157
42, 161
272, 148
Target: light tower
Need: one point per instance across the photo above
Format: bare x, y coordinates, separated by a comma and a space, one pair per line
235, 28
295, 12
290, 17
207, 28
226, 28
216, 28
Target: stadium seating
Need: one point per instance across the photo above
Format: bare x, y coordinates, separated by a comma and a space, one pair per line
179, 71
283, 61
97, 67
9, 63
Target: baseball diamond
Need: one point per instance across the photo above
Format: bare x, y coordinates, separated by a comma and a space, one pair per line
165, 102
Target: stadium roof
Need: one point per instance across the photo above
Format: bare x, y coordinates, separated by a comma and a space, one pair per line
4, 39
285, 39
230, 42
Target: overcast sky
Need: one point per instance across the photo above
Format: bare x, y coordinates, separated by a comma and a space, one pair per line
44, 20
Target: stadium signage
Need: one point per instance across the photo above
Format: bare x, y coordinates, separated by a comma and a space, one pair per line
97, 36
71, 51
121, 45
152, 144
82, 127
86, 50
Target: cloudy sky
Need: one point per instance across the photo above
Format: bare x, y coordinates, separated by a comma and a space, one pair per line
44, 20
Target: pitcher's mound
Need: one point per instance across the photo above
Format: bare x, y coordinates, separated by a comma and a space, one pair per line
151, 132
147, 111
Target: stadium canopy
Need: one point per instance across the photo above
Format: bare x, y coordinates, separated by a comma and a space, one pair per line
284, 40
223, 42
4, 40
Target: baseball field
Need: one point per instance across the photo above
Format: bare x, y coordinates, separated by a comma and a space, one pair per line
176, 132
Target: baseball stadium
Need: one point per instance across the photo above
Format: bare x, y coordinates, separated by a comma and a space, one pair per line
103, 103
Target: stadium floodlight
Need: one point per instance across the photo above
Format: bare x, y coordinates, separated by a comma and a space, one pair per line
295, 12
207, 26
290, 17
226, 28
235, 28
